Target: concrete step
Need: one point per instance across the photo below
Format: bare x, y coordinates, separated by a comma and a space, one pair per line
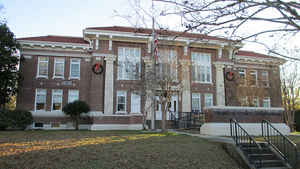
268, 163
262, 156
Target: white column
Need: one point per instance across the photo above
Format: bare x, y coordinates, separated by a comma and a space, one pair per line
97, 41
220, 90
230, 53
110, 43
186, 92
149, 106
109, 84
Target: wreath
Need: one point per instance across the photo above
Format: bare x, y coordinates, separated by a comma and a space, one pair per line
229, 76
97, 68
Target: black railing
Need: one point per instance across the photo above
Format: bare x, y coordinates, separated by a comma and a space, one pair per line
187, 120
241, 136
242, 139
283, 145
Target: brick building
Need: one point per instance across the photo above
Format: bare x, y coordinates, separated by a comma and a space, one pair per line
213, 72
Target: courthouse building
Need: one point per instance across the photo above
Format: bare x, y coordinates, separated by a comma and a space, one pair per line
97, 68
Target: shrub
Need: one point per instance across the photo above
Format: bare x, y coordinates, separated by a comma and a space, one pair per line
297, 120
4, 121
75, 109
20, 119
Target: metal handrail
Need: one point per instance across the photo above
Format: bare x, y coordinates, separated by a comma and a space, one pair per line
282, 144
240, 135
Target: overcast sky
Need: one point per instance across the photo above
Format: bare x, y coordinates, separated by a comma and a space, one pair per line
69, 17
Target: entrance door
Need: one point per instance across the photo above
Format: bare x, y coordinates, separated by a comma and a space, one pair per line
173, 107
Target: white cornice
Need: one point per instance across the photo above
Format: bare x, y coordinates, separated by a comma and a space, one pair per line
259, 60
54, 44
147, 36
55, 53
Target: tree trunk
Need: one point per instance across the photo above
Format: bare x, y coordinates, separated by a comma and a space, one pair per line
76, 122
163, 120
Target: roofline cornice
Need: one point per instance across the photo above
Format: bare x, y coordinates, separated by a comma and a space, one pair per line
53, 44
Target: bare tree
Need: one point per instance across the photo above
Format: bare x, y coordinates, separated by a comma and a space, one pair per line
290, 92
233, 18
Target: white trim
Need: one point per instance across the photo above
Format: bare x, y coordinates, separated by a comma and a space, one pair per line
43, 113
74, 91
223, 129
54, 69
146, 37
116, 127
36, 98
38, 68
53, 53
259, 60
124, 94
61, 92
244, 107
72, 60
53, 44
197, 96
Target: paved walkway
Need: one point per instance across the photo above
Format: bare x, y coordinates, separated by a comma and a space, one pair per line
211, 138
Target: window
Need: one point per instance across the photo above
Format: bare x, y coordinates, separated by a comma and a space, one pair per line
73, 95
255, 101
129, 63
42, 67
253, 78
135, 103
59, 65
121, 101
265, 78
242, 73
39, 125
56, 100
75, 69
55, 125
196, 102
40, 99
267, 102
244, 101
201, 67
208, 98
167, 64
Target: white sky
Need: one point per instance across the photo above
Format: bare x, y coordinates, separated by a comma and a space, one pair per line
69, 17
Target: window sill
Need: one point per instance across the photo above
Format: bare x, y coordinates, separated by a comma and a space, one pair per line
74, 78
58, 77
42, 77
210, 83
121, 112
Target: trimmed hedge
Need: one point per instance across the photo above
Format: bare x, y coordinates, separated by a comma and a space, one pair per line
16, 119
297, 120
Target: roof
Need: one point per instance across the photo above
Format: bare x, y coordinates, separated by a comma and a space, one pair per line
254, 54
159, 31
55, 38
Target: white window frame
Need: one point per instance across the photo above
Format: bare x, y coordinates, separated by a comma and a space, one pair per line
38, 67
169, 61
244, 101
132, 105
43, 91
71, 95
206, 65
243, 71
61, 93
206, 96
267, 79
255, 99
74, 61
124, 94
197, 96
122, 74
268, 99
253, 72
54, 70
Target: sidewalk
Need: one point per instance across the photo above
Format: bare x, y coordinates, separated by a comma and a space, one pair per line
211, 138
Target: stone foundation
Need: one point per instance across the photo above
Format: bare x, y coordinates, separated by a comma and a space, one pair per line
217, 119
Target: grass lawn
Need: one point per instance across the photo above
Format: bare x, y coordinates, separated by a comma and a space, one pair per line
109, 149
